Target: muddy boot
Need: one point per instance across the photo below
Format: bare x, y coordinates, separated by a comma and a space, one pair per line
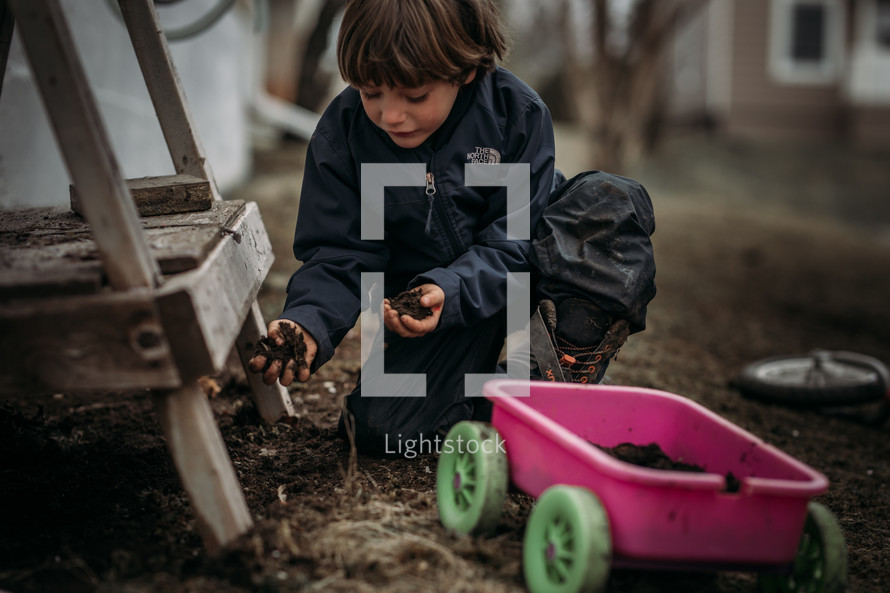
586, 338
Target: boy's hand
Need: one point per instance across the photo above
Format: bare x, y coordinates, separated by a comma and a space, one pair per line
290, 371
406, 326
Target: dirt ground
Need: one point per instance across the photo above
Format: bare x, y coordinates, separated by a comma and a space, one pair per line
759, 251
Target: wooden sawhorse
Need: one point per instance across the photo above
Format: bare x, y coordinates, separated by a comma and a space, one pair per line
110, 301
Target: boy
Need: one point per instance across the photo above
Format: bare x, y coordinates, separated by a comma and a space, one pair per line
425, 89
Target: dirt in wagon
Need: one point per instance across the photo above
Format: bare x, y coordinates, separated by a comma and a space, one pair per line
90, 500
652, 456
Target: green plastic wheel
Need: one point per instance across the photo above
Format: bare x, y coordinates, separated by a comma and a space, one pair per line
471, 479
567, 546
820, 565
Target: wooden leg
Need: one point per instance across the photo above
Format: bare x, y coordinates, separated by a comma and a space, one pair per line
272, 401
203, 463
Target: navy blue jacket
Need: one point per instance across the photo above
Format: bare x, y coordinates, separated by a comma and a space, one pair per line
456, 240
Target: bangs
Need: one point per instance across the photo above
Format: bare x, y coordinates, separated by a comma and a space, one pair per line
403, 48
377, 65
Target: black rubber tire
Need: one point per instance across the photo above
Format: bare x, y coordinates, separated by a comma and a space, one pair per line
819, 379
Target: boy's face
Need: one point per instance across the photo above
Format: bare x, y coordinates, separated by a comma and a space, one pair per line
410, 115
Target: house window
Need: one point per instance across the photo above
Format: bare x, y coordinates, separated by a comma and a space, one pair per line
808, 33
805, 41
882, 25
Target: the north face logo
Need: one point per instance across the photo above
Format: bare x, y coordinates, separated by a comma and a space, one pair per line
484, 156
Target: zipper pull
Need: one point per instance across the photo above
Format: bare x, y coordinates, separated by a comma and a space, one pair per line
430, 192
430, 187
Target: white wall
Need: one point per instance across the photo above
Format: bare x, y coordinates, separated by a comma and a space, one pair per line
688, 92
214, 68
868, 76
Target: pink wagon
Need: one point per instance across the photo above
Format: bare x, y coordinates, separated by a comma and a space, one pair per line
749, 510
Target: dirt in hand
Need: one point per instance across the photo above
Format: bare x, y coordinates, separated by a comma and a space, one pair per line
408, 303
653, 457
293, 348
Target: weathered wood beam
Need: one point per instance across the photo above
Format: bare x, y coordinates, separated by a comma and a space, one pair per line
203, 464
165, 89
159, 338
51, 251
110, 341
220, 294
84, 144
169, 194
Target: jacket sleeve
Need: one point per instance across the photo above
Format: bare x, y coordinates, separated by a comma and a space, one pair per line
475, 283
323, 295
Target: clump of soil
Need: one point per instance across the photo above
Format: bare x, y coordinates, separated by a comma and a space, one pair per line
293, 348
650, 456
408, 303
733, 484
653, 457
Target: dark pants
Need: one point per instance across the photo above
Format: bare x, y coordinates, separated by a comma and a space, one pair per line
389, 425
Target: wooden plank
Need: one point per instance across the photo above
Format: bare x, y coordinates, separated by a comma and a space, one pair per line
47, 251
185, 335
69, 281
51, 251
101, 341
84, 143
157, 338
169, 194
273, 402
221, 292
197, 315
183, 241
165, 90
107, 341
204, 467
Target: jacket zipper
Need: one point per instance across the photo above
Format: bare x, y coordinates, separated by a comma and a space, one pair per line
430, 187
453, 240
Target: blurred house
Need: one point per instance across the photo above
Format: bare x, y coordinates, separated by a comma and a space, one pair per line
787, 69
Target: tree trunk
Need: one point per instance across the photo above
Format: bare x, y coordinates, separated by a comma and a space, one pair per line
621, 96
312, 88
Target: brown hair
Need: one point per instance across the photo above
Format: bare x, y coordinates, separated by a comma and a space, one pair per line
412, 42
